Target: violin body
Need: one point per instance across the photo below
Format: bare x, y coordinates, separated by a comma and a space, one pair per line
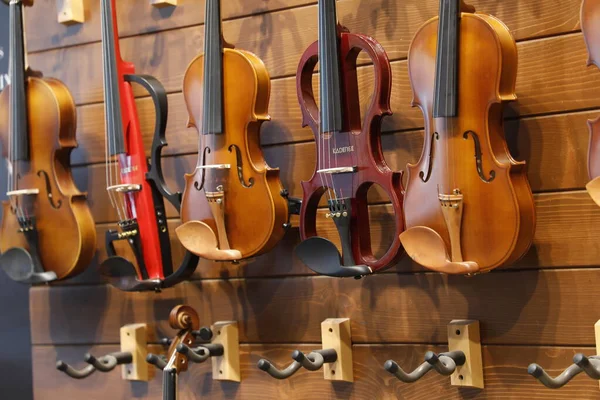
590, 26
255, 209
66, 229
357, 145
466, 156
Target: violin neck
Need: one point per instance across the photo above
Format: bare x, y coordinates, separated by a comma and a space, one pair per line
112, 91
169, 383
19, 148
331, 101
212, 121
446, 77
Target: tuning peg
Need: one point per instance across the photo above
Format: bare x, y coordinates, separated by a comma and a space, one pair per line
166, 341
204, 333
103, 364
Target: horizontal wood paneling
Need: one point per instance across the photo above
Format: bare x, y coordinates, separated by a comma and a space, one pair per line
565, 237
134, 17
504, 374
546, 299
523, 307
385, 21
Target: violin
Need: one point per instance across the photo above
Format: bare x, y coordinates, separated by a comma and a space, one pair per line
350, 158
590, 26
234, 205
468, 205
136, 188
47, 231
186, 320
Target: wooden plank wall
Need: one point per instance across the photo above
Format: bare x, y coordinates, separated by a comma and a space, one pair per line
541, 310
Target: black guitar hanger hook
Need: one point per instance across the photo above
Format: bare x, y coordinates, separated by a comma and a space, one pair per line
581, 363
313, 361
103, 364
444, 363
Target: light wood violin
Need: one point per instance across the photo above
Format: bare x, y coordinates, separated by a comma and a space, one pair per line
47, 229
590, 26
234, 206
468, 205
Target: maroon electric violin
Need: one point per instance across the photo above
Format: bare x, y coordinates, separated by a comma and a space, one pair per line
350, 159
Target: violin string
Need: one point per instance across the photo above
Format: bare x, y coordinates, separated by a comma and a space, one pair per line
328, 85
112, 161
18, 9
321, 147
11, 159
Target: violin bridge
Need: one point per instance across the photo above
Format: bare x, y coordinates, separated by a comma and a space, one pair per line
216, 201
452, 208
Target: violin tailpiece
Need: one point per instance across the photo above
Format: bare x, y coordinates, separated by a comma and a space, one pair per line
452, 208
216, 202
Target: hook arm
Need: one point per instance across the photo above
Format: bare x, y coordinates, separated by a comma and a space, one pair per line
74, 373
277, 373
157, 361
109, 361
553, 383
393, 368
315, 359
591, 365
201, 353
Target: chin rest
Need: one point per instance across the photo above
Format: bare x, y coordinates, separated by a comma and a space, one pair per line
426, 247
321, 255
199, 239
121, 273
593, 188
20, 266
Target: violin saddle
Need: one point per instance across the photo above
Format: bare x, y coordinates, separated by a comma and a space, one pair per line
199, 239
436, 257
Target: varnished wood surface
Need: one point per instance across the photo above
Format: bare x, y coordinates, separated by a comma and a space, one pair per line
505, 376
516, 307
546, 299
565, 238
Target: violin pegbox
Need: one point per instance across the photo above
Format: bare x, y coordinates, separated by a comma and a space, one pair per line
70, 12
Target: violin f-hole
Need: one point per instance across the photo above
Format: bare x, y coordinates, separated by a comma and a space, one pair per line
200, 185
54, 205
478, 157
425, 178
240, 167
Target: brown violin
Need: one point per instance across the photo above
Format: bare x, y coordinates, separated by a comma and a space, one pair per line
234, 206
590, 26
350, 158
47, 229
468, 205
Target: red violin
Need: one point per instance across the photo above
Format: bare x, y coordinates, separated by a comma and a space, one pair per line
350, 159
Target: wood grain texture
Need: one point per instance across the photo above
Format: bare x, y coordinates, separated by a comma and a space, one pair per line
379, 18
504, 374
523, 307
